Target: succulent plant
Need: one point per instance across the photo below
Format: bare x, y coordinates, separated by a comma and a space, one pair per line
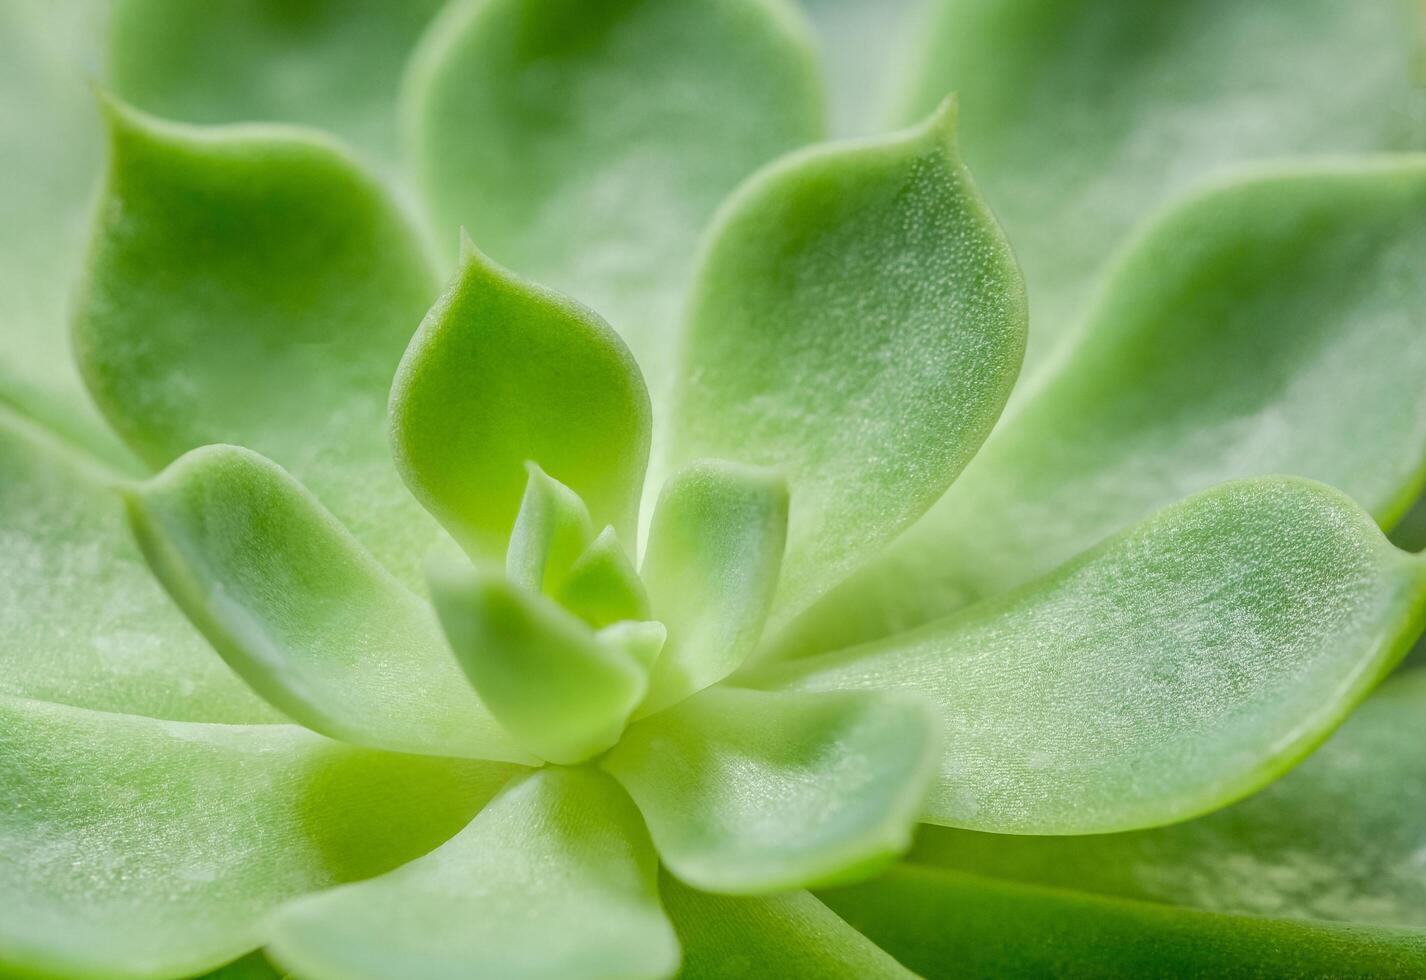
374, 607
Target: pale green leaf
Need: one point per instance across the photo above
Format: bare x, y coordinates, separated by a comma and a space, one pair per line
561, 691
253, 286
950, 926
857, 322
503, 372
554, 879
715, 548
791, 937
552, 529
862, 44
1179, 666
1084, 115
602, 587
82, 621
334, 64
136, 848
1340, 837
1274, 324
751, 792
586, 143
50, 142
303, 612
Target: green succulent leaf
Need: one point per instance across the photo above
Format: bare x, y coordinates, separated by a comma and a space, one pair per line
303, 612
948, 925
750, 792
82, 621
502, 372
254, 966
715, 549
791, 937
555, 878
137, 848
1340, 837
1273, 324
603, 587
586, 143
1084, 115
552, 529
564, 693
254, 286
50, 142
330, 64
1175, 668
857, 322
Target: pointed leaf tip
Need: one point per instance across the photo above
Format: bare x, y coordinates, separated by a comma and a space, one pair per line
501, 372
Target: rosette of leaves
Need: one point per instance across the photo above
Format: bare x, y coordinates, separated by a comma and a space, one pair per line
387, 608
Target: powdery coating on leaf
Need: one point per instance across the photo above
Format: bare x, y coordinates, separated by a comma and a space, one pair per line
585, 143
252, 285
747, 792
142, 848
82, 621
1340, 837
857, 323
1084, 115
555, 878
1174, 669
1275, 324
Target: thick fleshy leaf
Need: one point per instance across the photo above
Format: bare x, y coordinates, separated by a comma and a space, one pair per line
82, 621
948, 925
50, 142
254, 966
857, 322
585, 143
715, 548
503, 372
334, 65
1083, 115
1276, 324
1179, 666
791, 937
861, 46
1340, 837
131, 847
559, 689
555, 878
603, 587
253, 286
552, 529
749, 792
303, 612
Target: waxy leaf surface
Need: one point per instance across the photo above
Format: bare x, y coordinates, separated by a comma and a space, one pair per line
1275, 324
559, 689
136, 848
1084, 115
862, 45
552, 529
585, 143
303, 612
555, 878
750, 792
715, 548
791, 936
1177, 667
253, 286
950, 926
82, 621
334, 65
1340, 837
503, 372
603, 587
857, 322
